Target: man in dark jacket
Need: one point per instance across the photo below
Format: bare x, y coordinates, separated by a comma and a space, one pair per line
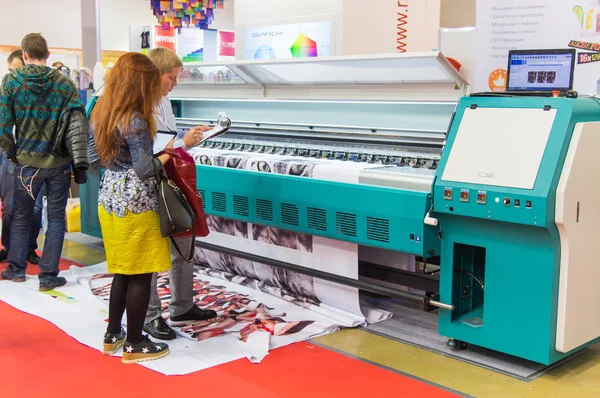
51, 138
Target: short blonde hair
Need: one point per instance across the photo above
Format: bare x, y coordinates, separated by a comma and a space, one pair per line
164, 59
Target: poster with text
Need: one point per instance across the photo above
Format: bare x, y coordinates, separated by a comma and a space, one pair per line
190, 45
164, 38
288, 41
226, 44
505, 25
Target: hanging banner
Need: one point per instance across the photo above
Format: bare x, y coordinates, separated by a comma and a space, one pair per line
505, 25
165, 38
190, 45
139, 38
226, 44
304, 40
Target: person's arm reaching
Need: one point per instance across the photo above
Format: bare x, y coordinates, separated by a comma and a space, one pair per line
166, 120
191, 138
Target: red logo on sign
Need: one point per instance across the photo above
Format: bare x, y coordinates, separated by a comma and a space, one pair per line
227, 44
164, 38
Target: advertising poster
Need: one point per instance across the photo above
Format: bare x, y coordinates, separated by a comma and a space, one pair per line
288, 41
226, 44
505, 25
190, 45
139, 38
165, 38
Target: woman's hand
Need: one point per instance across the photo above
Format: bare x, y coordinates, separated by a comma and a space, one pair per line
164, 158
170, 144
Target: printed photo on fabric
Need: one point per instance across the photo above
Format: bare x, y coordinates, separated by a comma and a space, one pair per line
227, 226
295, 167
283, 283
238, 314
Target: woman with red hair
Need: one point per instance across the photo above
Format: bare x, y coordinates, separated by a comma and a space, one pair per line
123, 130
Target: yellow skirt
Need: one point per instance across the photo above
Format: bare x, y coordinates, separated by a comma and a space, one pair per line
128, 212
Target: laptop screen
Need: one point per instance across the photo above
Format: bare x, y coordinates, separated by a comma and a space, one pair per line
540, 70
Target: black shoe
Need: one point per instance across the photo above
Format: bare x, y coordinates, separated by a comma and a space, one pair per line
33, 258
52, 283
9, 275
194, 314
112, 342
3, 255
159, 329
145, 350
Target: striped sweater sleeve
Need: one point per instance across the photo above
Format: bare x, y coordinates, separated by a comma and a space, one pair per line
7, 141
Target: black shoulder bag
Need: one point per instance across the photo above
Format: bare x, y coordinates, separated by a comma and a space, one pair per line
176, 214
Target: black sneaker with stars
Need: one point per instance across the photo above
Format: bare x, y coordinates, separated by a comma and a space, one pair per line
145, 350
112, 342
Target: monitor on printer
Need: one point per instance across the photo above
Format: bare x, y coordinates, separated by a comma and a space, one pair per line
540, 70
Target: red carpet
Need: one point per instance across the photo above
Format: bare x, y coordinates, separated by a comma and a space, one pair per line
63, 265
37, 359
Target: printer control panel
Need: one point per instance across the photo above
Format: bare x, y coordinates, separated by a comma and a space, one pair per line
493, 205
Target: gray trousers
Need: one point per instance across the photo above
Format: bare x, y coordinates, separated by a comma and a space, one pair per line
181, 284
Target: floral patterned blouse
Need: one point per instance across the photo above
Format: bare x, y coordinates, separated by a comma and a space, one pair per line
136, 150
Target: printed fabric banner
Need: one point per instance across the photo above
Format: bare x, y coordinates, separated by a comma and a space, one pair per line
312, 252
504, 25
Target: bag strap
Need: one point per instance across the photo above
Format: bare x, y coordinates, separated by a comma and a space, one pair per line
159, 170
192, 246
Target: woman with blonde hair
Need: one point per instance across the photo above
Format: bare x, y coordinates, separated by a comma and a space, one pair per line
122, 133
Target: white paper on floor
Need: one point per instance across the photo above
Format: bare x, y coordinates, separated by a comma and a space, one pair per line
82, 315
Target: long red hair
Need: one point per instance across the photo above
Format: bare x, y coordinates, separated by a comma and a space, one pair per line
133, 87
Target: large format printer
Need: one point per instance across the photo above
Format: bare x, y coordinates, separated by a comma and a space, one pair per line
495, 196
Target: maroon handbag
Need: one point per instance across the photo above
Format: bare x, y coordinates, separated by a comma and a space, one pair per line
181, 169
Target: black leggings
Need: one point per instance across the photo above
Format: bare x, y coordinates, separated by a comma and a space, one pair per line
131, 292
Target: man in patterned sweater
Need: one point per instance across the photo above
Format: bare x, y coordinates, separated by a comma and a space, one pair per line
50, 139
7, 184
